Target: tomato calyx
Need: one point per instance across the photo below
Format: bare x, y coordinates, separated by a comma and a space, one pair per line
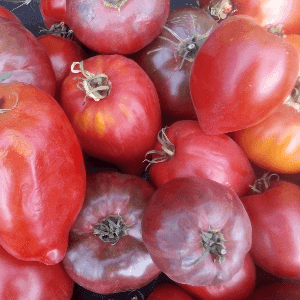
59, 29
294, 98
111, 229
95, 86
167, 147
117, 4
263, 184
4, 110
220, 9
275, 29
213, 243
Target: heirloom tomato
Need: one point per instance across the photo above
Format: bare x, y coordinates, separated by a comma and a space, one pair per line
5, 13
168, 60
184, 149
196, 231
114, 109
24, 57
106, 253
241, 75
53, 11
117, 26
168, 291
30, 280
239, 287
275, 219
42, 174
274, 143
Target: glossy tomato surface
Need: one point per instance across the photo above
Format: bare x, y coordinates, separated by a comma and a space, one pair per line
274, 143
194, 153
275, 219
168, 291
28, 280
53, 11
239, 287
42, 174
6, 13
100, 264
180, 221
125, 26
23, 56
241, 75
121, 127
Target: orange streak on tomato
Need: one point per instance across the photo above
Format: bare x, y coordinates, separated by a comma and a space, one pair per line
126, 111
83, 120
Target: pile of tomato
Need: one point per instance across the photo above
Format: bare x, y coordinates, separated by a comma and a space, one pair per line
138, 141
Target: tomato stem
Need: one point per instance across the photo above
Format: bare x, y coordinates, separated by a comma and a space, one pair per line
275, 29
263, 184
220, 9
59, 29
117, 4
294, 98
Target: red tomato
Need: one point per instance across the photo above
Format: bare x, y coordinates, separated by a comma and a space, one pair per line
196, 231
5, 13
106, 252
123, 27
28, 280
62, 52
275, 219
168, 291
53, 11
187, 151
265, 12
274, 143
238, 288
25, 57
240, 77
168, 60
42, 175
121, 127
277, 291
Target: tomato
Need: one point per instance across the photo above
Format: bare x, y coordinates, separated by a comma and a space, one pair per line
233, 83
196, 231
274, 143
62, 52
266, 12
42, 174
294, 39
275, 219
28, 280
53, 11
5, 13
168, 291
122, 126
168, 60
238, 288
106, 252
125, 26
184, 149
23, 56
277, 291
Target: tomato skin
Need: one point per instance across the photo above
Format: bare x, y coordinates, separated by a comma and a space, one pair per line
62, 52
148, 18
102, 267
274, 143
53, 11
172, 224
218, 158
22, 54
228, 101
275, 219
40, 159
239, 287
122, 127
6, 13
168, 291
28, 280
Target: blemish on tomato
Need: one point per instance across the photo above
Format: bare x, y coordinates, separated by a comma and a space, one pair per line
83, 120
99, 124
126, 111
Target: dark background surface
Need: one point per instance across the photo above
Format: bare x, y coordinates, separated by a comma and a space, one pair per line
29, 14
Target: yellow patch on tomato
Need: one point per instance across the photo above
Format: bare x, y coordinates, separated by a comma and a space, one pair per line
83, 120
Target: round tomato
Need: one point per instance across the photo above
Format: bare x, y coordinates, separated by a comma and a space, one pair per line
106, 253
53, 11
28, 280
117, 26
168, 291
275, 219
239, 287
196, 231
120, 123
241, 75
23, 56
42, 174
185, 150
